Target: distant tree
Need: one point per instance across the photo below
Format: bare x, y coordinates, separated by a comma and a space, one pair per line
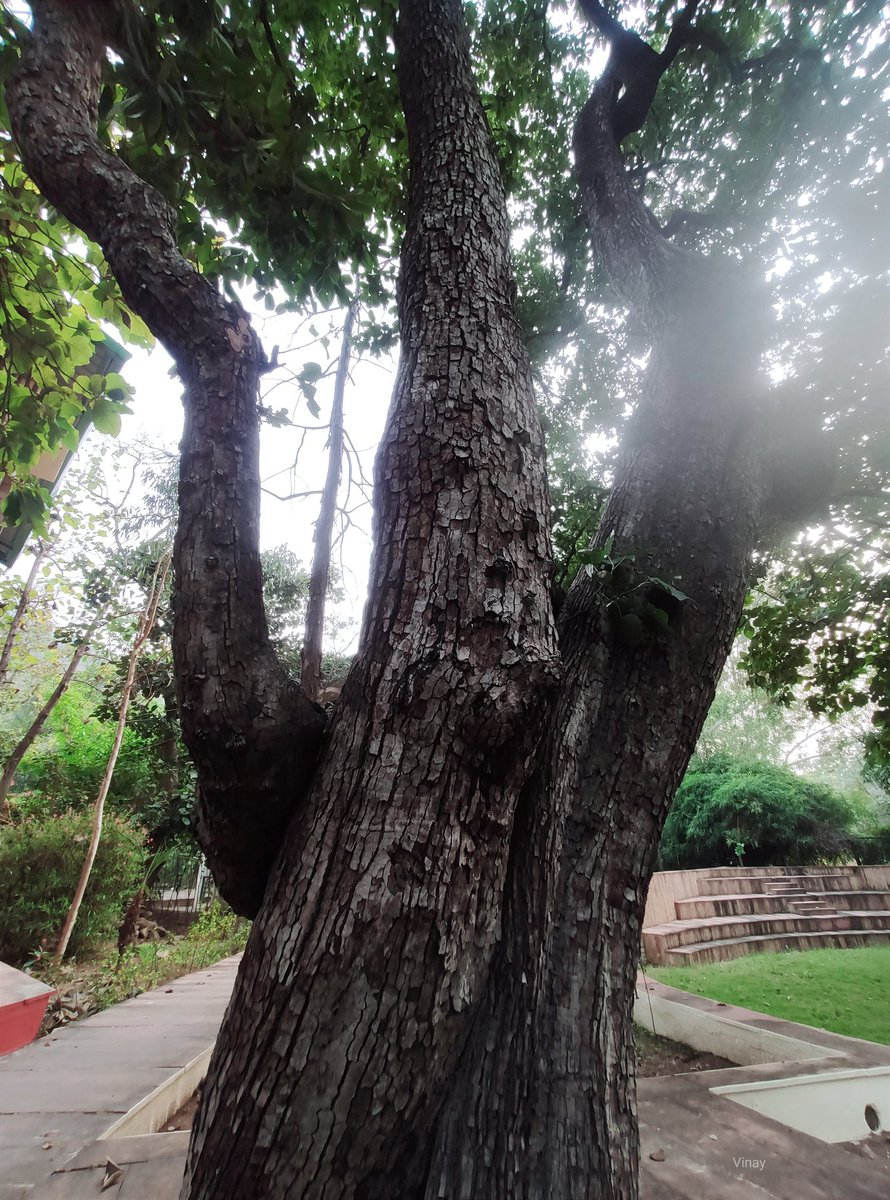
774, 816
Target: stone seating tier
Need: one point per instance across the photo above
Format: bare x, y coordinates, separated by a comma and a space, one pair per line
770, 910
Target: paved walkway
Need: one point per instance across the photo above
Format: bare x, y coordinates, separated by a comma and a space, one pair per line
62, 1092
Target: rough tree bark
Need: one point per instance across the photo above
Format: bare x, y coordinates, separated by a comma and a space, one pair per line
310, 674
364, 967
435, 998
253, 736
546, 1092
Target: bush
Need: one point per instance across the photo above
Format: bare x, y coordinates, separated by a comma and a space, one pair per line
727, 810
40, 863
873, 846
218, 923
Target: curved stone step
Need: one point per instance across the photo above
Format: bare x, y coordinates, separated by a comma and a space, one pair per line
751, 903
660, 940
724, 949
840, 879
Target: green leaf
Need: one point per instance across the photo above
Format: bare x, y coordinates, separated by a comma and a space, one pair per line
106, 417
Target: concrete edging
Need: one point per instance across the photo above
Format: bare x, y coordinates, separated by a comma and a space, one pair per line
150, 1113
714, 1034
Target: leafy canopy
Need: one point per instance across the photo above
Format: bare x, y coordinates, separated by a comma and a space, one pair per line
274, 129
728, 811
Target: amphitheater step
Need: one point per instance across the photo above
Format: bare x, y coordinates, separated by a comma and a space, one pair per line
811, 907
842, 879
724, 949
660, 941
752, 903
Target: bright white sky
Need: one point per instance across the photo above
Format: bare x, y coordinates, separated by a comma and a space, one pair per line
157, 419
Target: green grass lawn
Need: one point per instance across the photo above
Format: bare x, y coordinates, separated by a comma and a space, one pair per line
846, 991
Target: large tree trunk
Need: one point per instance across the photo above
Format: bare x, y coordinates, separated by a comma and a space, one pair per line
544, 1103
435, 997
253, 736
373, 946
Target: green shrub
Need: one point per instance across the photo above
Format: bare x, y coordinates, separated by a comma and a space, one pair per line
40, 862
217, 923
728, 811
874, 845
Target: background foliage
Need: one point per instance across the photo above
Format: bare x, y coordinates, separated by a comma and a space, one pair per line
727, 810
40, 861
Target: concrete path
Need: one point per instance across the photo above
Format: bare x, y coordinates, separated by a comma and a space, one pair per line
65, 1091
62, 1092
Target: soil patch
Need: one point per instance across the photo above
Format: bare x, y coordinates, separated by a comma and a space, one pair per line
659, 1056
184, 1117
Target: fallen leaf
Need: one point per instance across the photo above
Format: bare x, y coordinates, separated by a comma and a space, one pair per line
113, 1174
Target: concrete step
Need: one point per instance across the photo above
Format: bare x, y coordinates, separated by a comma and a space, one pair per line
811, 906
750, 903
660, 940
840, 879
723, 949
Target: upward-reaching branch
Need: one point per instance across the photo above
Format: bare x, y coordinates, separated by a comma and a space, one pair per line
321, 559
21, 608
252, 734
146, 624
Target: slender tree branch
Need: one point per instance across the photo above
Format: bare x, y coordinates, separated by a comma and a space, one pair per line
310, 677
18, 616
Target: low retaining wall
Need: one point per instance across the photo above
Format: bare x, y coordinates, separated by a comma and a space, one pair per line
668, 886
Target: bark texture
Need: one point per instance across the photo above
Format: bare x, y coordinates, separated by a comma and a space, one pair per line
253, 736
435, 998
544, 1105
368, 959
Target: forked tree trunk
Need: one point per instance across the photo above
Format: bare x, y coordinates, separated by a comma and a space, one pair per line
544, 1105
435, 997
319, 577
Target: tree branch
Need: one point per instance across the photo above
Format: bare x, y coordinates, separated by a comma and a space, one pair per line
321, 560
252, 734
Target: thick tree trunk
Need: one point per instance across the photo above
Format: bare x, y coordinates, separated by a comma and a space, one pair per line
365, 965
310, 675
436, 994
253, 736
548, 1074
